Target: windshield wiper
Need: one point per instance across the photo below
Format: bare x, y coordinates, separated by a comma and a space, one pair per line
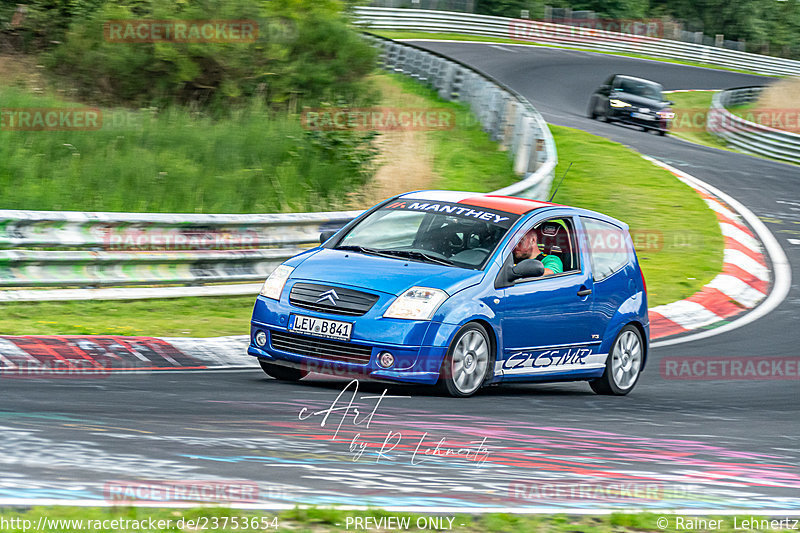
414, 254
364, 250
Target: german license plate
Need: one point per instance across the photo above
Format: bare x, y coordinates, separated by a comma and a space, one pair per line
321, 327
643, 116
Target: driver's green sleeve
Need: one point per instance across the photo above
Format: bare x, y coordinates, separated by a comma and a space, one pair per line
553, 263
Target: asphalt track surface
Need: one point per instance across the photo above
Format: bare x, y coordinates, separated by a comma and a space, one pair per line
688, 444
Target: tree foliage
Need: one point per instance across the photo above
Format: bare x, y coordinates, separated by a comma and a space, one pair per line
768, 26
306, 52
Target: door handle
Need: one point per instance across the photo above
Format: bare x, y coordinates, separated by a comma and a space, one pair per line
584, 292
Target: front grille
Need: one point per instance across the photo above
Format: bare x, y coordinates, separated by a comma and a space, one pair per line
320, 348
348, 301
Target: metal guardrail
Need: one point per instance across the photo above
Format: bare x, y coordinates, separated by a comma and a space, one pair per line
376, 18
84, 254
72, 249
749, 136
506, 115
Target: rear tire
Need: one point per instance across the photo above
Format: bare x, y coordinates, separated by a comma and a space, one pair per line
623, 365
282, 373
467, 363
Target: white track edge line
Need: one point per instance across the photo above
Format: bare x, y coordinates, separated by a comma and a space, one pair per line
780, 263
28, 502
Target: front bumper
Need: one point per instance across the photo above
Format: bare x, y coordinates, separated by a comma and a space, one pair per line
636, 118
418, 347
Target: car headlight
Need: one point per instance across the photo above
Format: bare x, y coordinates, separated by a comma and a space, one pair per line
618, 103
417, 303
275, 281
666, 114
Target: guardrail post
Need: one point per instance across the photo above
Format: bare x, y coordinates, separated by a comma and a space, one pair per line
523, 152
537, 148
500, 110
512, 112
391, 56
445, 81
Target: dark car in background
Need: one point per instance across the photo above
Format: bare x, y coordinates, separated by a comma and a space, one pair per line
634, 101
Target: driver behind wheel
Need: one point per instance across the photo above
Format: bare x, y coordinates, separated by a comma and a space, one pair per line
528, 248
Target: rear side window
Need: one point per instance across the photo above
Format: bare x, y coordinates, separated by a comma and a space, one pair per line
608, 247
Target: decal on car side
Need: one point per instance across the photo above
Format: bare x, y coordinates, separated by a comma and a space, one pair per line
550, 360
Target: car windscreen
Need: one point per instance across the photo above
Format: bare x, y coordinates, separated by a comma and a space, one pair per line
436, 232
640, 88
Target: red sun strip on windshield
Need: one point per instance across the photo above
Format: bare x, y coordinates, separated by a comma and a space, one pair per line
509, 204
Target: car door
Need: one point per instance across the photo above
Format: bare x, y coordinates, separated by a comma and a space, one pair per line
546, 321
613, 271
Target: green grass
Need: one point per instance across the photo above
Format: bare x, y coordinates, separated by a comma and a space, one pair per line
325, 520
606, 177
464, 158
697, 104
464, 37
175, 160
179, 317
691, 110
612, 179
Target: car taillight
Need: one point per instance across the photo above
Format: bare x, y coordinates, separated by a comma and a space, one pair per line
644, 284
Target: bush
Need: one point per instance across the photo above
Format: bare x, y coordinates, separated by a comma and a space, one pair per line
36, 24
305, 52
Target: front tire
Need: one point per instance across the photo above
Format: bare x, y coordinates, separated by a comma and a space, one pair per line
592, 109
282, 373
468, 361
624, 364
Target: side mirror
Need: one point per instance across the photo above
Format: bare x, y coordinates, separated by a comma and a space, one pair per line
325, 235
529, 268
670, 102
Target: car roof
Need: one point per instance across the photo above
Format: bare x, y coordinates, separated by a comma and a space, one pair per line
634, 78
509, 204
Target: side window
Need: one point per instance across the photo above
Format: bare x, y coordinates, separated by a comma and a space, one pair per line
551, 241
608, 247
